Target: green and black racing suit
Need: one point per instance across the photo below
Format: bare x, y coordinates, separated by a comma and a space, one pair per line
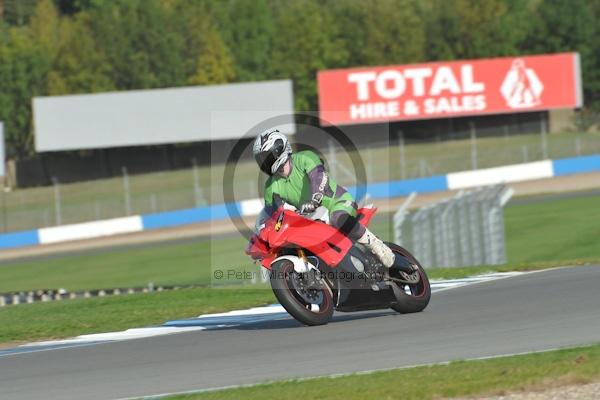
307, 178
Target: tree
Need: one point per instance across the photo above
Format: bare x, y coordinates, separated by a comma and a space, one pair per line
72, 7
248, 29
141, 43
206, 59
18, 12
459, 29
592, 77
23, 69
564, 26
383, 31
79, 67
44, 26
303, 45
214, 64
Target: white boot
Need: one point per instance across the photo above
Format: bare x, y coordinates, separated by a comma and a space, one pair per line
377, 247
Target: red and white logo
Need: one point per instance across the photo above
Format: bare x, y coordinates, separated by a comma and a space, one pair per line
521, 88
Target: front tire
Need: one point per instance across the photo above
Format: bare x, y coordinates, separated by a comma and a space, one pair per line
411, 298
298, 303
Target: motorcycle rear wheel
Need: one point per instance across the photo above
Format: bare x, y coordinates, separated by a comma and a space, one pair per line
284, 282
411, 298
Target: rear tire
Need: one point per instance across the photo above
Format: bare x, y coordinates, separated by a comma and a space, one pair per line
282, 283
420, 293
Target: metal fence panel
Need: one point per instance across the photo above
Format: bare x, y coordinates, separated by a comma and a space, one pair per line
463, 231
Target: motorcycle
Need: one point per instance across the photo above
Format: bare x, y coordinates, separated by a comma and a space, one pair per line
315, 269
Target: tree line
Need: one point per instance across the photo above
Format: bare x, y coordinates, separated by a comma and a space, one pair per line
54, 47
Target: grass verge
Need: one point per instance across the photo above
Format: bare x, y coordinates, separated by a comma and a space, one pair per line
29, 322
461, 378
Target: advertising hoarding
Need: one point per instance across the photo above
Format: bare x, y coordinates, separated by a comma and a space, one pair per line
158, 116
449, 89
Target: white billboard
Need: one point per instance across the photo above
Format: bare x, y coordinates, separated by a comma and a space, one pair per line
157, 116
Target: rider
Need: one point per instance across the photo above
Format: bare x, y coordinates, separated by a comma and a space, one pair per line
300, 179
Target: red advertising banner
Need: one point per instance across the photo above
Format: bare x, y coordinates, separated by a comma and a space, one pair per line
449, 89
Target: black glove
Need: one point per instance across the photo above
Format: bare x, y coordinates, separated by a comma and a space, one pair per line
312, 205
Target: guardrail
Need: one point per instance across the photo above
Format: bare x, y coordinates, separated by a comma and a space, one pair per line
401, 188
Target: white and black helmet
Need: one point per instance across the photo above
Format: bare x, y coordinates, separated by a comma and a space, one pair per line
271, 150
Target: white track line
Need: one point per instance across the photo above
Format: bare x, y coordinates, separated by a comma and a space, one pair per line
136, 333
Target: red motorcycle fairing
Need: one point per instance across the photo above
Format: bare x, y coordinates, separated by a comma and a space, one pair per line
321, 239
365, 214
287, 228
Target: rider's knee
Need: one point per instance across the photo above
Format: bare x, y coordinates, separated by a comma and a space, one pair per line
347, 224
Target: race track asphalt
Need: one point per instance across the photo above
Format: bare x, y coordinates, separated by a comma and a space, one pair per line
532, 312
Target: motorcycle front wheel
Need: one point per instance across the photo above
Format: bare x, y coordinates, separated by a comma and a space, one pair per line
308, 305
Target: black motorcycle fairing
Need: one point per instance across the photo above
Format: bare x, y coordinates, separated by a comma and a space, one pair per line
352, 288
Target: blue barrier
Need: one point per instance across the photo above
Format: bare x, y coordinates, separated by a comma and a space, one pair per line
576, 165
189, 216
19, 239
384, 190
420, 185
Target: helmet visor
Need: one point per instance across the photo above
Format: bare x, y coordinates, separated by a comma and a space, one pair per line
266, 159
